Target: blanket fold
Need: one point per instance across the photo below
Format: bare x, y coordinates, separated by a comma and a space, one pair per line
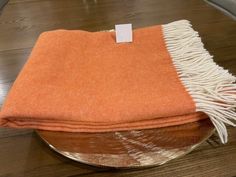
80, 81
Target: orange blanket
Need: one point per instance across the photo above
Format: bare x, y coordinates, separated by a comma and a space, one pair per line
81, 81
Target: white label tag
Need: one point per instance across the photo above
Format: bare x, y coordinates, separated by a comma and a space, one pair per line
124, 33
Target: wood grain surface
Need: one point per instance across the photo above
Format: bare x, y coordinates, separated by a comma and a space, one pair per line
22, 153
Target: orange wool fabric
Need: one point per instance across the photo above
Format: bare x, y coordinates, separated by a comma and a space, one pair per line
80, 81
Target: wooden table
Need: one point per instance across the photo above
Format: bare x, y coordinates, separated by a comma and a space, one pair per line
22, 153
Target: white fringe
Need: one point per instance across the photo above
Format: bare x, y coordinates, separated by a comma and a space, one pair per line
212, 88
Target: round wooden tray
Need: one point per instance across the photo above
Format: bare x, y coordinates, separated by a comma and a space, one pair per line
125, 149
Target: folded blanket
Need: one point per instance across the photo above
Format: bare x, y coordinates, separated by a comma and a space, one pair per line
80, 81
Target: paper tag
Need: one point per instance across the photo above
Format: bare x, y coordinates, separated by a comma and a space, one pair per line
124, 33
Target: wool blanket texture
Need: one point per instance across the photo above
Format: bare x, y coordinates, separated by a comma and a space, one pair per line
79, 81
